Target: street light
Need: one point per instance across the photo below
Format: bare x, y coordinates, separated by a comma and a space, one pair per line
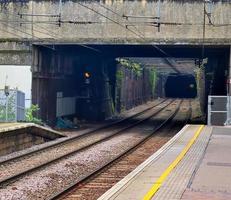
7, 92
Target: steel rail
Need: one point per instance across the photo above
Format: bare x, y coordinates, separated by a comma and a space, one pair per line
14, 177
84, 178
70, 139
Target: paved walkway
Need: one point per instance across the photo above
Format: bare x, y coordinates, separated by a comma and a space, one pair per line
203, 172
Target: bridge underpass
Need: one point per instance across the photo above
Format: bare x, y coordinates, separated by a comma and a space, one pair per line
91, 62
59, 77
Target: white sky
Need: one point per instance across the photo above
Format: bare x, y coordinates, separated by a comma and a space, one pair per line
18, 76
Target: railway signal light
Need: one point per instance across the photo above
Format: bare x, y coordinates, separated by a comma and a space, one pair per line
87, 77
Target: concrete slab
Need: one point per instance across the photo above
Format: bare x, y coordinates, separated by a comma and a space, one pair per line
137, 184
213, 177
6, 128
7, 125
15, 137
175, 184
203, 173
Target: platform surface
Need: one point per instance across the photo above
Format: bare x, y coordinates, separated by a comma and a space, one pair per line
6, 128
204, 172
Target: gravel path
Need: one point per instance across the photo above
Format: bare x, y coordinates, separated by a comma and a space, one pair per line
16, 166
125, 114
43, 183
97, 185
73, 133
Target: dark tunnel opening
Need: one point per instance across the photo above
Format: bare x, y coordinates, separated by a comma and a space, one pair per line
181, 86
60, 88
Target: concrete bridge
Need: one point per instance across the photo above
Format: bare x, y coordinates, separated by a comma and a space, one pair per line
121, 22
61, 40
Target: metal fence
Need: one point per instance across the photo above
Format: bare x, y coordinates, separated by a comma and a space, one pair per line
219, 110
12, 107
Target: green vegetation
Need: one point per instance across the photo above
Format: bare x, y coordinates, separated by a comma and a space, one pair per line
153, 79
2, 112
119, 78
30, 114
132, 65
11, 113
199, 75
198, 72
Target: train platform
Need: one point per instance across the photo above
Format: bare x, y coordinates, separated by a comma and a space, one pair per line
6, 128
194, 164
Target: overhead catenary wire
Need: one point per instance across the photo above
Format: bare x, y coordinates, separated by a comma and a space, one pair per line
49, 32
132, 23
21, 21
121, 25
109, 9
114, 12
156, 24
147, 23
19, 30
124, 26
38, 31
38, 15
26, 33
39, 26
52, 36
85, 46
98, 22
140, 36
12, 33
140, 16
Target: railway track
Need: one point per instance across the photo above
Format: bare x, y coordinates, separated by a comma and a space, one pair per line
12, 170
71, 138
99, 180
80, 163
95, 184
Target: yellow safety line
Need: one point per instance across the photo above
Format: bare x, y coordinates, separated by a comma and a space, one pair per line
165, 174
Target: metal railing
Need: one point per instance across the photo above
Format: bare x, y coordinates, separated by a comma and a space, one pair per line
219, 110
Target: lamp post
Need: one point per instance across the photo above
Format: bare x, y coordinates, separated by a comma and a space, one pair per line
7, 92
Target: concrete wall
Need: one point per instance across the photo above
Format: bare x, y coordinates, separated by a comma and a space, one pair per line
14, 52
18, 142
16, 33
188, 13
25, 137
